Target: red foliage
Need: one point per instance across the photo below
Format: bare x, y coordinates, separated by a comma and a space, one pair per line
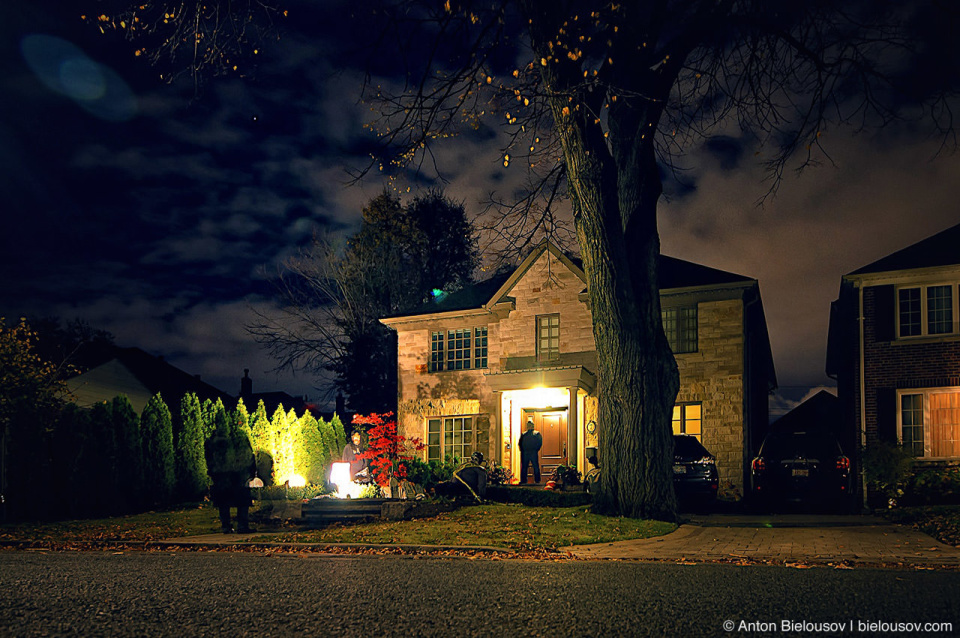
386, 449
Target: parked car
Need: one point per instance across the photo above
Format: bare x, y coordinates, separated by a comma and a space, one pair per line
801, 467
695, 477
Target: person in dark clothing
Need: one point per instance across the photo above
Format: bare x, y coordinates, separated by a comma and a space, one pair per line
231, 464
351, 455
530, 443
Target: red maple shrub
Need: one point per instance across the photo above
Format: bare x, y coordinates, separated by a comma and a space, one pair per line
386, 449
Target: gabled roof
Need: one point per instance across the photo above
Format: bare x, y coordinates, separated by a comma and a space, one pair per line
942, 249
673, 274
678, 273
121, 366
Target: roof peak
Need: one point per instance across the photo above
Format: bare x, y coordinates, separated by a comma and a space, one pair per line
939, 249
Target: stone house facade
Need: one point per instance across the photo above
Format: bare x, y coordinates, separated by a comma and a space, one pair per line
474, 367
894, 348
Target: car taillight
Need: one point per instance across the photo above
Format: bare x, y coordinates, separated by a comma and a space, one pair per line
843, 463
758, 464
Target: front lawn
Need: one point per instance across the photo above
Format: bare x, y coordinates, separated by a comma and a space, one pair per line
509, 526
149, 526
940, 521
496, 525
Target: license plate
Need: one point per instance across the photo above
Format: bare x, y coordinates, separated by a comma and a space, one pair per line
803, 472
679, 469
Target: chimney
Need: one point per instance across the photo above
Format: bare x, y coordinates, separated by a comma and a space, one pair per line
246, 384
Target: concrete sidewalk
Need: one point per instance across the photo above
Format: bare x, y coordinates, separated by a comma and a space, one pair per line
785, 539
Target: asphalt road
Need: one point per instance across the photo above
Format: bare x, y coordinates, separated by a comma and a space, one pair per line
242, 594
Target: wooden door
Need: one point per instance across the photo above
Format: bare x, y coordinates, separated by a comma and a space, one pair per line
552, 426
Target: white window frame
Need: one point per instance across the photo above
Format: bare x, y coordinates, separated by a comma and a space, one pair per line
925, 393
549, 322
925, 312
456, 447
445, 356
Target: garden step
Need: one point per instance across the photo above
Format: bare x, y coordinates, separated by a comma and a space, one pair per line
322, 511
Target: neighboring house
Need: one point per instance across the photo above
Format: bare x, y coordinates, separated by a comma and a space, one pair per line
894, 348
271, 400
821, 412
139, 376
476, 365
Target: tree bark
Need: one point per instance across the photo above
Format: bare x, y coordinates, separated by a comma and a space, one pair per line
615, 189
638, 379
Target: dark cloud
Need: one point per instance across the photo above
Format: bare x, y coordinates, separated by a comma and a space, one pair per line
160, 226
726, 151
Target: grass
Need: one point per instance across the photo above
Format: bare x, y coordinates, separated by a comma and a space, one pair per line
149, 526
940, 521
497, 525
507, 526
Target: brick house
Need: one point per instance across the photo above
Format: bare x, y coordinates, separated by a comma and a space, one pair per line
476, 365
894, 348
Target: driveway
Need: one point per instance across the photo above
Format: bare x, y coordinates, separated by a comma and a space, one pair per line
785, 539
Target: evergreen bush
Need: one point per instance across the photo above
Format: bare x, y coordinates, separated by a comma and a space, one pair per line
191, 466
126, 424
156, 429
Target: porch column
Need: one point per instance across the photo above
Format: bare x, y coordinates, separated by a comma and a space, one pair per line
573, 429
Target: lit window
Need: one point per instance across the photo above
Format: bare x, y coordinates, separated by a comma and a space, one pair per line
930, 423
688, 419
450, 438
926, 310
480, 347
548, 337
680, 326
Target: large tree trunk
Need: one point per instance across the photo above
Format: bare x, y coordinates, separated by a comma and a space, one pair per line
637, 375
615, 185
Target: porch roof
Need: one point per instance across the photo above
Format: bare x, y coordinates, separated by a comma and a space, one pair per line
548, 377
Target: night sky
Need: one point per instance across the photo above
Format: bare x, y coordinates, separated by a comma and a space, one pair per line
159, 214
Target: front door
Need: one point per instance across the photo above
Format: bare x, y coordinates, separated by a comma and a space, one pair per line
552, 426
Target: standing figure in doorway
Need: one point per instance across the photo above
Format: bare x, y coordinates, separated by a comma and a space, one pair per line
530, 443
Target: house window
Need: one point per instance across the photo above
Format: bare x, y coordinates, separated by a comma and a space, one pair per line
911, 321
436, 352
449, 437
688, 419
929, 423
458, 349
680, 326
480, 347
548, 337
926, 310
939, 310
